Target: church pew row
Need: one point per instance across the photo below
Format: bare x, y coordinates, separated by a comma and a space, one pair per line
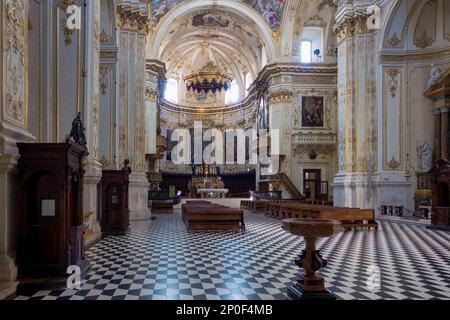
162, 205
349, 217
205, 215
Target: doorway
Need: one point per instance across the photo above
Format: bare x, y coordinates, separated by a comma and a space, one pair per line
311, 183
443, 195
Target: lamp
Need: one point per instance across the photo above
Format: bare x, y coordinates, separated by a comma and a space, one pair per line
209, 78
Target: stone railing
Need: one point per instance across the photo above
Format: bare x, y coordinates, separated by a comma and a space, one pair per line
233, 169
315, 139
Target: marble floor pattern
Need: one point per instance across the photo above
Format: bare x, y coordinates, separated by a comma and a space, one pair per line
160, 259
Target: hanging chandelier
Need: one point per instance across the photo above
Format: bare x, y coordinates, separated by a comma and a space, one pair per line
209, 78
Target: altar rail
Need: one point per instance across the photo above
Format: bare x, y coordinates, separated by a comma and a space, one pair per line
266, 195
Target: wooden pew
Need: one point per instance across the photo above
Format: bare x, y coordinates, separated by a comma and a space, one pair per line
204, 215
350, 217
162, 205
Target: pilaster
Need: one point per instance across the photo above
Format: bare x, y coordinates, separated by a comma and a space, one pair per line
13, 129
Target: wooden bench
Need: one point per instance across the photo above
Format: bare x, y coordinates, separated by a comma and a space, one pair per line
162, 205
256, 206
349, 217
207, 216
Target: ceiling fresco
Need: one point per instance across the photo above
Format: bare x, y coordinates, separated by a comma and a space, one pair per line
270, 10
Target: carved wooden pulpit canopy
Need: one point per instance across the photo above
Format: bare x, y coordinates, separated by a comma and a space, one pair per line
439, 91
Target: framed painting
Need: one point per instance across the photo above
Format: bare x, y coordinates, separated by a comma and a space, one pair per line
312, 112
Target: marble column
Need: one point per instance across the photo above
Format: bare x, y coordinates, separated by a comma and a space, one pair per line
13, 129
357, 112
444, 133
92, 165
133, 23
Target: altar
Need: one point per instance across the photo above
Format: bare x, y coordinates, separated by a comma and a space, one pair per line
212, 193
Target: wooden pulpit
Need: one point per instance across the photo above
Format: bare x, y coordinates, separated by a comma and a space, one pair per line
440, 181
50, 235
115, 210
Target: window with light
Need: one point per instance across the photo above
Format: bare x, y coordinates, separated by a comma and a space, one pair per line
171, 93
232, 95
306, 51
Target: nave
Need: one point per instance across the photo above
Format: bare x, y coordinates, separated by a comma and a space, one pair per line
161, 260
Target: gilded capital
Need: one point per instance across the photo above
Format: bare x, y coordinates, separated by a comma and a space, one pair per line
133, 19
351, 24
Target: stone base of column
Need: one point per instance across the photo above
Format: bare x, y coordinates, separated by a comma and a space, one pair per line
392, 189
353, 190
138, 197
8, 276
91, 206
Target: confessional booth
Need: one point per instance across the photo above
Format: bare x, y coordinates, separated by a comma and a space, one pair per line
115, 209
50, 235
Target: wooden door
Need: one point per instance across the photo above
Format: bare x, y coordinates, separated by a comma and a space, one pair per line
113, 210
43, 237
312, 183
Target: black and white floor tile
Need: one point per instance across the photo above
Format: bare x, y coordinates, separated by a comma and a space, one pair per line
160, 260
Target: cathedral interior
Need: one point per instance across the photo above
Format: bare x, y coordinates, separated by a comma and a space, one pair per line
193, 149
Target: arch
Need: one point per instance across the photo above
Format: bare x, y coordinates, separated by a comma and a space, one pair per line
237, 7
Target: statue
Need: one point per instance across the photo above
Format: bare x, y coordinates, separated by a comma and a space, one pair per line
435, 74
126, 166
78, 131
425, 156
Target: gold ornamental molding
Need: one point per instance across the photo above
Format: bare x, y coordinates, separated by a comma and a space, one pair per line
393, 82
281, 96
394, 40
133, 19
413, 57
424, 41
393, 164
151, 95
108, 55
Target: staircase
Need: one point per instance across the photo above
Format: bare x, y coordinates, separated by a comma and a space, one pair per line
291, 188
284, 180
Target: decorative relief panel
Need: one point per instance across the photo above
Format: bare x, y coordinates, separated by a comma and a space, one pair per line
392, 130
96, 89
14, 60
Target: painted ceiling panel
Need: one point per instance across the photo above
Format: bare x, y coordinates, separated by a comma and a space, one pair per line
270, 10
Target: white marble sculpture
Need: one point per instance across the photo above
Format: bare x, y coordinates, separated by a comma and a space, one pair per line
435, 74
425, 156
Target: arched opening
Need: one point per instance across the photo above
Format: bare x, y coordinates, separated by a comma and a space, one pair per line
311, 45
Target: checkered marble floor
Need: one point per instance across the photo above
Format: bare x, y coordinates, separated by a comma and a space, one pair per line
161, 260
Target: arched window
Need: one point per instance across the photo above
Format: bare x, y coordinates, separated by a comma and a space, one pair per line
232, 95
311, 46
248, 81
171, 93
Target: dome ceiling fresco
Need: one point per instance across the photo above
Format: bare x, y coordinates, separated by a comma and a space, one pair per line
270, 10
222, 37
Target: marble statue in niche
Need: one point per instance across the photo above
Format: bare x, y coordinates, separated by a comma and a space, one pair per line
312, 112
425, 156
